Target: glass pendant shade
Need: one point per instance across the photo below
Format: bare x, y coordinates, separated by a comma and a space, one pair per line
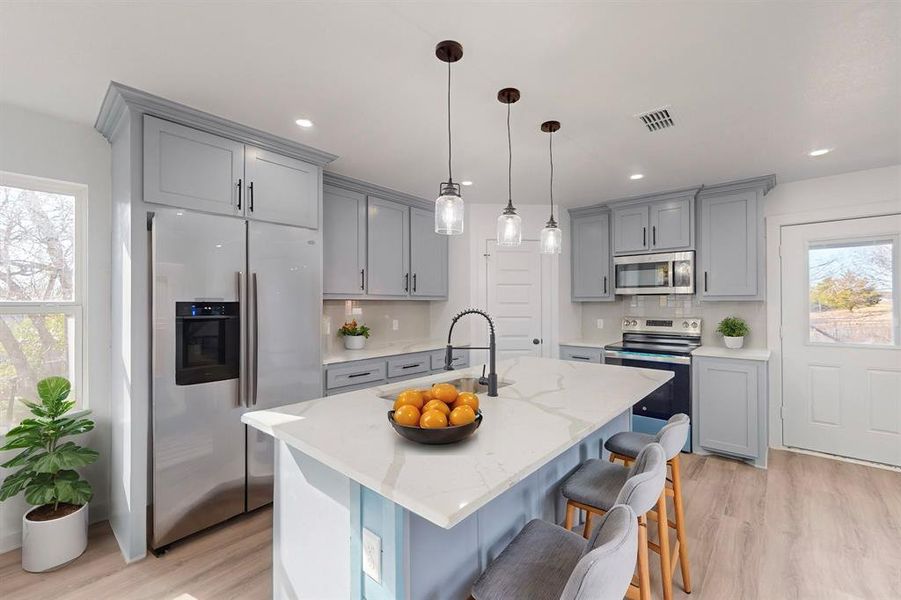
449, 214
509, 229
551, 239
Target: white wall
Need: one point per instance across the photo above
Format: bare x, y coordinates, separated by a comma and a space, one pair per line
44, 146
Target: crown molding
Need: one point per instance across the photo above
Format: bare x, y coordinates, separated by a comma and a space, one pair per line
370, 189
767, 182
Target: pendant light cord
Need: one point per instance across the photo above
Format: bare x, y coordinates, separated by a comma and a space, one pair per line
450, 177
551, 149
509, 163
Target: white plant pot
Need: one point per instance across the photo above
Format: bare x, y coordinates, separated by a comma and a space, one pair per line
734, 342
354, 342
48, 545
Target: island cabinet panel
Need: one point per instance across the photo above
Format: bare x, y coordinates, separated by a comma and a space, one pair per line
731, 246
630, 229
280, 189
387, 250
581, 354
344, 243
670, 223
428, 256
192, 169
730, 407
592, 278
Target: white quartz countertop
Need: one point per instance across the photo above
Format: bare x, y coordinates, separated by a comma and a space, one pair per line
550, 406
761, 354
340, 355
586, 344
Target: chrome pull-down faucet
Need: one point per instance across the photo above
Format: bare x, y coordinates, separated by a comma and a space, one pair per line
492, 348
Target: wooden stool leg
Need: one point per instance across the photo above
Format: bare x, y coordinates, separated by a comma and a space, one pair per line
680, 525
586, 532
644, 575
570, 511
666, 566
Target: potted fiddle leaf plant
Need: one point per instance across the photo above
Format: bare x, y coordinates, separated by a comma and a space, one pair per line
55, 532
354, 335
734, 330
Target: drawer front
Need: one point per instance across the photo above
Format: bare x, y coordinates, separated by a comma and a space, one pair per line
408, 364
461, 359
355, 374
578, 354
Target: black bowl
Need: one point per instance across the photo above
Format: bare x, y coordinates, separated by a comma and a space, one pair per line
445, 435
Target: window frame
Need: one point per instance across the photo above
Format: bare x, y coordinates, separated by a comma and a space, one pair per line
74, 308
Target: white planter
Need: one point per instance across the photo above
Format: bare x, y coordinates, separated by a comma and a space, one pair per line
354, 342
734, 342
48, 545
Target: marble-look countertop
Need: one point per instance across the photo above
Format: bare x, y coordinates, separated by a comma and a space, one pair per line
587, 344
761, 354
377, 350
550, 406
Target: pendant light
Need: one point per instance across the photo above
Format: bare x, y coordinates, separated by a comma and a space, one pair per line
449, 204
551, 236
509, 224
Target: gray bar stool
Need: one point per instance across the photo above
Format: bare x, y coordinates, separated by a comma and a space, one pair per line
625, 446
546, 562
597, 486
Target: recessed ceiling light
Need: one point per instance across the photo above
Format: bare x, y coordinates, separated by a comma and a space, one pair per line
465, 183
820, 151
636, 176
304, 122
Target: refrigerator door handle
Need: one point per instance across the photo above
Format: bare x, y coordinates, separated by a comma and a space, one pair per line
242, 362
255, 342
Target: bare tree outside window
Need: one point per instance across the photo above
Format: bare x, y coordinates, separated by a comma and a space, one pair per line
37, 293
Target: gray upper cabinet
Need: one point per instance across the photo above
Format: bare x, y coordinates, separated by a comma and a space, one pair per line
670, 223
630, 229
387, 248
192, 169
280, 189
344, 243
731, 256
428, 256
591, 275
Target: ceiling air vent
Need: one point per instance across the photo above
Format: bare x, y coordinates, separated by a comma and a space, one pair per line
657, 119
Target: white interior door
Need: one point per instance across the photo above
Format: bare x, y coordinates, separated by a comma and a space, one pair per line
514, 297
841, 347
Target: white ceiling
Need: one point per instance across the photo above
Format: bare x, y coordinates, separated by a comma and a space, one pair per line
753, 86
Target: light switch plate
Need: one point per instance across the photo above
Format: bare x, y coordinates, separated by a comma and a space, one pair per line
372, 555
600, 323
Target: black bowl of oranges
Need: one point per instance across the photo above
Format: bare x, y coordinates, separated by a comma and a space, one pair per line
438, 415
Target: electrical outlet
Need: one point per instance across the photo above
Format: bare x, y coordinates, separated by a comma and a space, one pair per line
600, 323
394, 324
372, 555
663, 300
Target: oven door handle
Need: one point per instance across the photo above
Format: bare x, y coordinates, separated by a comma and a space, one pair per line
639, 356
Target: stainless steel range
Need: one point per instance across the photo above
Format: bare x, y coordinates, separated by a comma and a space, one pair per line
663, 344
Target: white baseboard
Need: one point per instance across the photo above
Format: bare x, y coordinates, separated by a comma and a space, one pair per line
846, 459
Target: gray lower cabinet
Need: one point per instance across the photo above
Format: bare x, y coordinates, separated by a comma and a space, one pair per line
281, 189
356, 373
459, 359
387, 248
730, 407
582, 354
731, 244
343, 243
428, 256
362, 374
592, 278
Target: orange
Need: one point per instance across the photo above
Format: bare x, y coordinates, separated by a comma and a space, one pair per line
433, 419
462, 415
467, 399
407, 415
413, 397
426, 394
445, 392
436, 405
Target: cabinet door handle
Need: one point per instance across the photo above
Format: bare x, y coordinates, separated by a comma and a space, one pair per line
410, 366
644, 236
362, 279
579, 357
353, 375
239, 194
250, 196
654, 235
414, 283
605, 284
705, 281
407, 282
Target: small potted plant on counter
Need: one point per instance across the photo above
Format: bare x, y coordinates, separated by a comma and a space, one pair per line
734, 330
55, 532
354, 335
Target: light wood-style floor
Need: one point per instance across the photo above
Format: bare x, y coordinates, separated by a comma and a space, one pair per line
807, 528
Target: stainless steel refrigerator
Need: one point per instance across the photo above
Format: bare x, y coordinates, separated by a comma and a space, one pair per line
236, 312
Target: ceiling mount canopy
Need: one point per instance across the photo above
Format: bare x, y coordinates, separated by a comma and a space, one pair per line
551, 236
509, 224
449, 204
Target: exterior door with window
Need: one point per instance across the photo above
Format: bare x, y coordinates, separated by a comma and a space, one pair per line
514, 298
841, 345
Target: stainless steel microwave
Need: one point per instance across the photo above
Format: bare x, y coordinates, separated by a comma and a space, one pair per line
666, 273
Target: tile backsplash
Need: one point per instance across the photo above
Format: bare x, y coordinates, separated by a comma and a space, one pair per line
412, 319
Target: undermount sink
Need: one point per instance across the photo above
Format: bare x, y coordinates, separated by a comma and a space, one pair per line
463, 384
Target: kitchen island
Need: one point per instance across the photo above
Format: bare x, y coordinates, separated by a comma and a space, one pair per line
440, 513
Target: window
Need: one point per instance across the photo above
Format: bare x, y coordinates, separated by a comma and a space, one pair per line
851, 292
41, 288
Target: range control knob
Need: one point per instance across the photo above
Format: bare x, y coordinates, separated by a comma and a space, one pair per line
684, 324
694, 324
634, 322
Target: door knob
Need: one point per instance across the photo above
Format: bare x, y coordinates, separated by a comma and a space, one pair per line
536, 341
